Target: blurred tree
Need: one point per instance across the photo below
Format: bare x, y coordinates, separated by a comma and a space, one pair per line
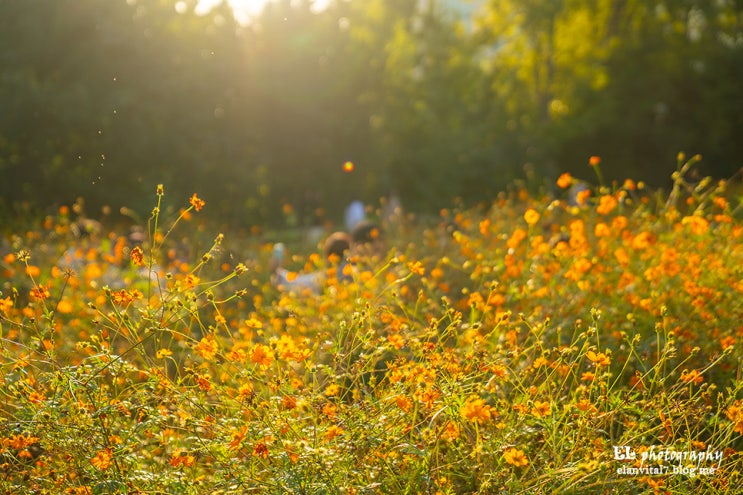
632, 81
104, 99
107, 98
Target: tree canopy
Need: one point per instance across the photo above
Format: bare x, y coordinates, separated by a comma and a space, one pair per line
105, 99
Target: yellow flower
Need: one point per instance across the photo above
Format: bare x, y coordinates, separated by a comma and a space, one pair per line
253, 322
162, 353
191, 281
332, 390
600, 359
531, 216
515, 457
541, 409
196, 202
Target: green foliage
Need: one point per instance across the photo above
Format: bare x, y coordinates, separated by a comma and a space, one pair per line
102, 93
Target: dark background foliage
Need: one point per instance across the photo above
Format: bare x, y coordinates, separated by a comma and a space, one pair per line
104, 99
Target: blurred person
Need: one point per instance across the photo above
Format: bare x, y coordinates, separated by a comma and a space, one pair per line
335, 251
355, 213
367, 239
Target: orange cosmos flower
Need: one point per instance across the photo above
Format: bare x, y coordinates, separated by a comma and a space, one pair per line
725, 342
721, 202
237, 438
692, 376
40, 292
6, 305
451, 431
643, 240
404, 403
288, 402
541, 409
246, 391
330, 410
601, 230
260, 450
19, 442
585, 405
734, 413
417, 268
565, 180
396, 340
587, 376
607, 203
531, 216
262, 355
207, 348
196, 202
102, 460
123, 297
332, 432
33, 271
582, 196
476, 411
137, 256
697, 224
594, 161
181, 459
515, 457
65, 307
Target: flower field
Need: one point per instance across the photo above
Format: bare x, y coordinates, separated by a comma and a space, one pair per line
580, 345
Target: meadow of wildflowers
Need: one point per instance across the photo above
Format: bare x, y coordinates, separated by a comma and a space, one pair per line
532, 345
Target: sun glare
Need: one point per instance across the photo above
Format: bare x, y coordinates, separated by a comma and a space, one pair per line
247, 9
